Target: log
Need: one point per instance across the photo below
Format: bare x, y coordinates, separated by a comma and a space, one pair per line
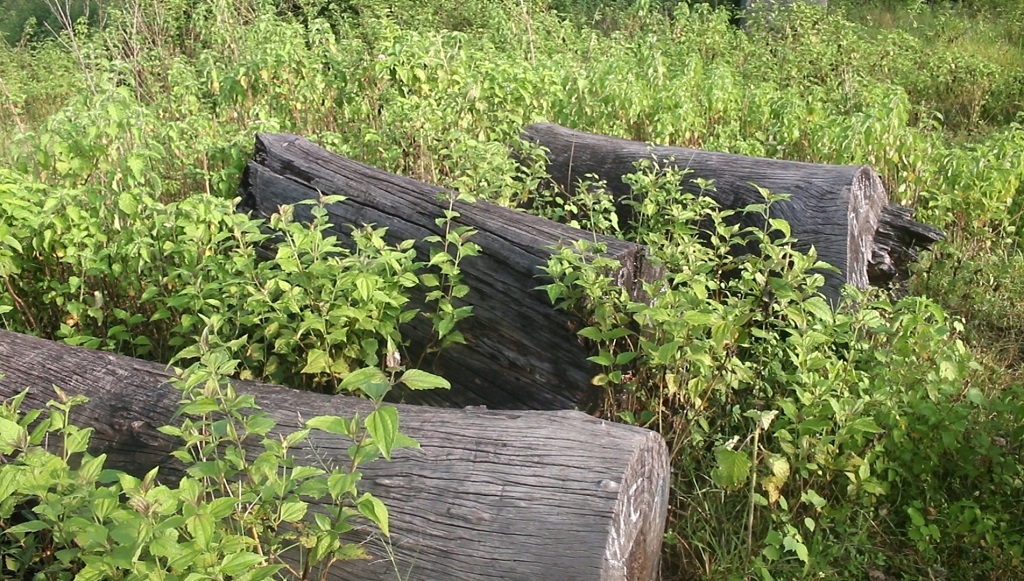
770, 12
489, 495
896, 245
514, 334
837, 209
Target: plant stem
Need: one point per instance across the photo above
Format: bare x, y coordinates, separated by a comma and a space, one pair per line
753, 482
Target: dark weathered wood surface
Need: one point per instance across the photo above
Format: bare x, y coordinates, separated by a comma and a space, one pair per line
835, 209
896, 245
490, 495
521, 353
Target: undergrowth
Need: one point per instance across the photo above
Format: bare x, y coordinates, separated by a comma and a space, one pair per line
881, 440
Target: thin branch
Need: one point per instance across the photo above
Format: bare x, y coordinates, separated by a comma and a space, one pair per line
24, 310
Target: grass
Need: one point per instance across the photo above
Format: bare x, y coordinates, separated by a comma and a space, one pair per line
160, 103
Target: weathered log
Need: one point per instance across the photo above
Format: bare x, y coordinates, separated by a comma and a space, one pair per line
520, 353
896, 243
837, 209
771, 12
489, 495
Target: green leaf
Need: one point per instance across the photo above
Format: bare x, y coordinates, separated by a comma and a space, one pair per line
368, 380
732, 468
814, 498
317, 361
222, 507
976, 396
77, 439
404, 441
137, 166
668, 352
418, 379
796, 546
12, 436
238, 563
265, 572
201, 526
293, 511
128, 203
374, 509
31, 526
915, 516
340, 483
326, 543
779, 467
445, 326
866, 424
330, 424
382, 424
947, 370
364, 288
697, 318
8, 483
819, 308
90, 469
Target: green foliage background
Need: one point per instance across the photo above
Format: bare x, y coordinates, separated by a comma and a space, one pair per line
884, 439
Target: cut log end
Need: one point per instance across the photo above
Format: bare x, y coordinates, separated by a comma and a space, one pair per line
640, 513
867, 200
896, 244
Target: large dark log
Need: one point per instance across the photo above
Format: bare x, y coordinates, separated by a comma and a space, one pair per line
490, 495
837, 209
521, 353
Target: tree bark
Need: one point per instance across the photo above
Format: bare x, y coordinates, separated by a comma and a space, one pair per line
489, 495
520, 352
837, 209
896, 245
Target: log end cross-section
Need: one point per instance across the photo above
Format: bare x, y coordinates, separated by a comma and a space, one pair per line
865, 203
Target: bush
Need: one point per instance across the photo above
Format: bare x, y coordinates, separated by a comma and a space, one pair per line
854, 430
805, 441
231, 513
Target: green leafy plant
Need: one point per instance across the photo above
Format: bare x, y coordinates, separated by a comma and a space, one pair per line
794, 419
243, 508
894, 448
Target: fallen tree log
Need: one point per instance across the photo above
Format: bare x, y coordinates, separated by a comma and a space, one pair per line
837, 209
514, 334
896, 245
490, 494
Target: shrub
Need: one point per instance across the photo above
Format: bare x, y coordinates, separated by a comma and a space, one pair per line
804, 441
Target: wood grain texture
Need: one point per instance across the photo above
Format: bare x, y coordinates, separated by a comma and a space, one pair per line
883, 239
834, 208
490, 495
896, 245
521, 353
